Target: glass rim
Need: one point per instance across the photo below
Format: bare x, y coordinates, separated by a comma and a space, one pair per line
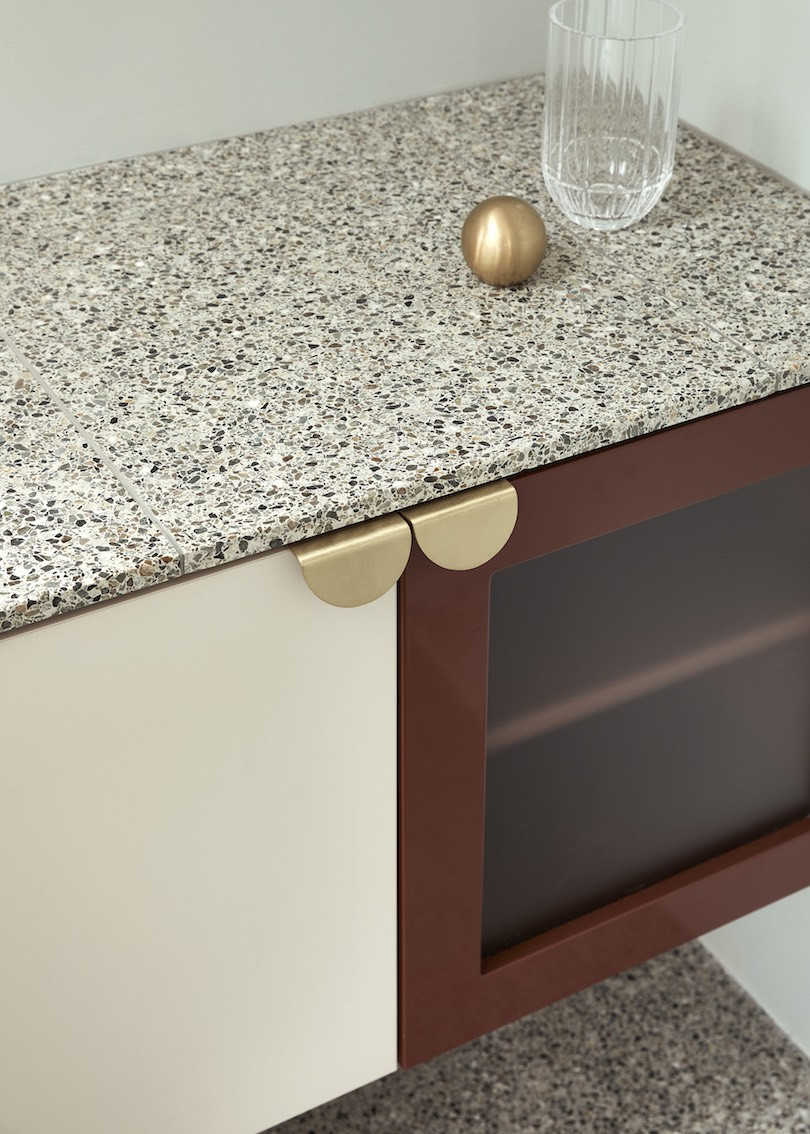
680, 20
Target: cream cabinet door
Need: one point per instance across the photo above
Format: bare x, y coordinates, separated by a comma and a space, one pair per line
197, 858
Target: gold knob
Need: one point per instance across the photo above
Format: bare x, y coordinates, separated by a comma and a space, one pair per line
503, 240
465, 530
355, 565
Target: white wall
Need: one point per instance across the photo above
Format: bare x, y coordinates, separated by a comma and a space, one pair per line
768, 953
747, 78
83, 81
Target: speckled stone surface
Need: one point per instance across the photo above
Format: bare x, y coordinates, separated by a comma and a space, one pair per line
70, 535
671, 1047
728, 241
273, 336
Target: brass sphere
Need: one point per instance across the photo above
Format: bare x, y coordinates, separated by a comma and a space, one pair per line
503, 240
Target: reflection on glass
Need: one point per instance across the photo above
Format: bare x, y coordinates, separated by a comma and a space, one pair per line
648, 704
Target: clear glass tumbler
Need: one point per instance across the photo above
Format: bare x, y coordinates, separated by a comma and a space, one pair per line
612, 87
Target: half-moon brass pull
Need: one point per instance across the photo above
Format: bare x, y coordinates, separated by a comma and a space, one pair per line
465, 530
355, 565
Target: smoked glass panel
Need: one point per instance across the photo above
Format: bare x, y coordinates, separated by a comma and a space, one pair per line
648, 704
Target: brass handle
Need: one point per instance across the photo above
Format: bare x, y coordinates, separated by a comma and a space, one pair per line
355, 565
465, 530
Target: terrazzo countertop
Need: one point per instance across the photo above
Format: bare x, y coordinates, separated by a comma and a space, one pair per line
226, 348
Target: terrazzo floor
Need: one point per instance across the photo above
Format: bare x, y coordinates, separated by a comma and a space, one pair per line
671, 1047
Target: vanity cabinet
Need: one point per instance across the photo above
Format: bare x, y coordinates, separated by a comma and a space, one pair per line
605, 729
198, 790
197, 857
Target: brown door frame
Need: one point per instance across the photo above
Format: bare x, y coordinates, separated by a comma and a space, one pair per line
447, 995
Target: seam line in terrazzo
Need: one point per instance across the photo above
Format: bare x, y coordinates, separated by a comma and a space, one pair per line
88, 438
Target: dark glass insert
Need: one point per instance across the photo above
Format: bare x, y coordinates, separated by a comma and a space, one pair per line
648, 704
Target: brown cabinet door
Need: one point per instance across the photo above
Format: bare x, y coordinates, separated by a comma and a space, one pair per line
605, 732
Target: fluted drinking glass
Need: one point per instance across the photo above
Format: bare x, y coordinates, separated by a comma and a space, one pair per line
612, 88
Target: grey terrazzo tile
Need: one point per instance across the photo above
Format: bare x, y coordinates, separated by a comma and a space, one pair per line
671, 1047
732, 242
276, 335
69, 535
284, 439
